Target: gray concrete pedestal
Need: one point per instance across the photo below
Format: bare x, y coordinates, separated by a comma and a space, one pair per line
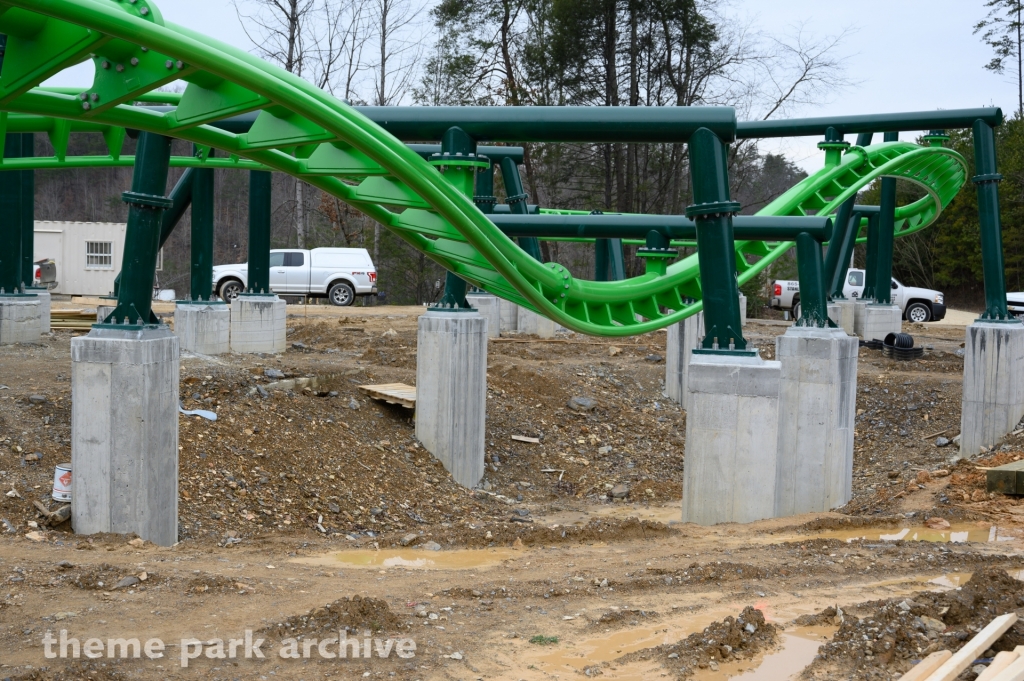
489, 307
203, 327
842, 313
683, 337
19, 319
258, 323
124, 433
451, 391
535, 324
993, 388
880, 321
817, 407
731, 438
44, 308
508, 315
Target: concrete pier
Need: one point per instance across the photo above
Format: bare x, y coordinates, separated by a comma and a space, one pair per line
508, 315
103, 311
19, 319
731, 439
451, 391
993, 390
203, 327
743, 310
682, 339
489, 307
880, 321
124, 433
258, 323
44, 308
842, 313
535, 324
817, 407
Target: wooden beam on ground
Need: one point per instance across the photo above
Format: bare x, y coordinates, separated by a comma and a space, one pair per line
923, 669
974, 648
392, 393
999, 663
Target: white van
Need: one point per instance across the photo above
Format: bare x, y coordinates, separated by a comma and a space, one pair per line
338, 274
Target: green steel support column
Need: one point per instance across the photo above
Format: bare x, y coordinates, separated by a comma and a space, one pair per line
459, 164
28, 212
886, 235
602, 253
259, 232
516, 201
871, 262
813, 301
201, 268
484, 197
844, 240
712, 210
146, 204
617, 261
987, 183
10, 220
181, 199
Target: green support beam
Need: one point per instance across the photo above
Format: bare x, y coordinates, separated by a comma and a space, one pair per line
459, 163
987, 183
201, 269
811, 270
871, 261
259, 233
28, 212
670, 227
840, 247
12, 234
608, 261
146, 205
712, 210
886, 235
517, 204
846, 125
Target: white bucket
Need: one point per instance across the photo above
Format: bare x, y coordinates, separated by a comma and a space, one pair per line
62, 482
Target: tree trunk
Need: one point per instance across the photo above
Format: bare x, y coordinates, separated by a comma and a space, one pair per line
300, 214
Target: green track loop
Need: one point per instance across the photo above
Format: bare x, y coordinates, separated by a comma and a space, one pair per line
306, 133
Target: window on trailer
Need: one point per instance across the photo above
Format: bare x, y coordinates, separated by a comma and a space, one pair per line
99, 255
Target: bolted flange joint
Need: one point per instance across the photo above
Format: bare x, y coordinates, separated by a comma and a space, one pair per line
985, 179
712, 209
150, 201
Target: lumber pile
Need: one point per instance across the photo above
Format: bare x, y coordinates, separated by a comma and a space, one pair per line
946, 666
73, 319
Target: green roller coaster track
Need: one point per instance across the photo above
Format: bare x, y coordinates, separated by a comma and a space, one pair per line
300, 130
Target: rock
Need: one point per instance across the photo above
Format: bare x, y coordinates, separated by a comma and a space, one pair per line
940, 473
130, 580
517, 545
334, 508
37, 399
941, 442
431, 546
263, 393
409, 539
299, 346
937, 523
65, 565
456, 656
582, 403
34, 536
607, 449
603, 583
137, 543
352, 403
13, 494
923, 477
421, 612
273, 373
620, 491
750, 628
34, 457
376, 510
932, 624
653, 358
62, 514
612, 351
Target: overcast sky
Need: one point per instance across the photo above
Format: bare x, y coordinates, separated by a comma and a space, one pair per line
906, 55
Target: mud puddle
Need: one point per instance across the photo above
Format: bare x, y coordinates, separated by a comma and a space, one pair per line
799, 646
959, 533
663, 514
414, 559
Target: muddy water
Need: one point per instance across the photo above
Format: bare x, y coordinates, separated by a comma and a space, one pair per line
413, 558
671, 514
957, 534
797, 651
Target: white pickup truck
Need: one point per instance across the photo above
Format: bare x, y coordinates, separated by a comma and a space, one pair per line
338, 274
918, 304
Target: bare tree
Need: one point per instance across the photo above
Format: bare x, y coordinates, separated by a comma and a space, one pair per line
1003, 31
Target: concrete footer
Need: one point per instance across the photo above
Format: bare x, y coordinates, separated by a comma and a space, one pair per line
683, 337
124, 433
203, 327
451, 391
993, 388
19, 319
258, 323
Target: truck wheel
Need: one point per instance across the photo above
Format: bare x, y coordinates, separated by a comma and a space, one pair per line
919, 313
229, 290
341, 294
796, 310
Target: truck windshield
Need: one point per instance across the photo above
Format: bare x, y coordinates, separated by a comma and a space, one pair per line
856, 278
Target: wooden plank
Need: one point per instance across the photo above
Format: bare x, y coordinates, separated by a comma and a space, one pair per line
974, 648
392, 393
923, 669
1006, 479
524, 438
999, 663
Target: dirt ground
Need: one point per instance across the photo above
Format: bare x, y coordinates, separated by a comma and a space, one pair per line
308, 509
